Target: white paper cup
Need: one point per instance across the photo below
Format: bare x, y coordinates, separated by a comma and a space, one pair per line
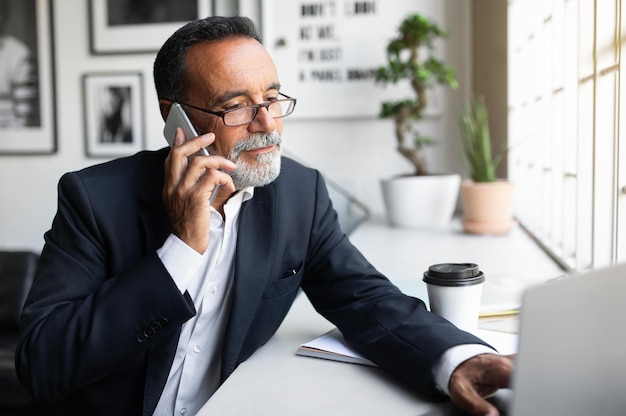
454, 292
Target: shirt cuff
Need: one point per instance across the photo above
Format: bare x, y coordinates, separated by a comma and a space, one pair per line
181, 261
454, 357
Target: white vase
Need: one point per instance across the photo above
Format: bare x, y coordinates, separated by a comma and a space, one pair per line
421, 201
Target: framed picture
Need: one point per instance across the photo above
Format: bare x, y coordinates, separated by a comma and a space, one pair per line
132, 26
27, 116
113, 114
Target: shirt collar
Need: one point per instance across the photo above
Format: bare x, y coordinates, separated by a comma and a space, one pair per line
248, 193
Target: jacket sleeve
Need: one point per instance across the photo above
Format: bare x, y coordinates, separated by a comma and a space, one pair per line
394, 330
96, 301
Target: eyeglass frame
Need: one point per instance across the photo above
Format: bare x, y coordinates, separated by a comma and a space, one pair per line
256, 107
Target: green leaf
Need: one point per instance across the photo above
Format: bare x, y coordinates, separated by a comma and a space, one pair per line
476, 137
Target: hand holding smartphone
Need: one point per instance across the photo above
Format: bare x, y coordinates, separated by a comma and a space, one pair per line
178, 118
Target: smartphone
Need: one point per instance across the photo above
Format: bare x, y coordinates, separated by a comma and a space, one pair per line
178, 118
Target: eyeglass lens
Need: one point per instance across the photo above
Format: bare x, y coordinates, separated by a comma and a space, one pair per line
245, 115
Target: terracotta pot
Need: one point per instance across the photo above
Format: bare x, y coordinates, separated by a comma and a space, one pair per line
421, 201
487, 207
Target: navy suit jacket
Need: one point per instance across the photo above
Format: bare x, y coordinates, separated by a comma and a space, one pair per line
102, 321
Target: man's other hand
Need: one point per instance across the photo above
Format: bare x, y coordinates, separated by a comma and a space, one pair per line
478, 377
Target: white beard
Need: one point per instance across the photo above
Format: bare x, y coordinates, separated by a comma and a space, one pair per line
264, 169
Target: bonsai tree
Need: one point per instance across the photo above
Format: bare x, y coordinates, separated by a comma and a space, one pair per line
480, 162
416, 35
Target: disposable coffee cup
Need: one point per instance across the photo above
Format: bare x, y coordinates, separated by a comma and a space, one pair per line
454, 292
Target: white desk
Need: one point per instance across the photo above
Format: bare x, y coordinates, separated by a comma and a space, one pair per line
274, 381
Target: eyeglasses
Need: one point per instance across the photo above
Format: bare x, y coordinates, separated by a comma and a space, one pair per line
244, 115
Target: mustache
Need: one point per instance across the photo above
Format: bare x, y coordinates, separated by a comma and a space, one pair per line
256, 141
252, 142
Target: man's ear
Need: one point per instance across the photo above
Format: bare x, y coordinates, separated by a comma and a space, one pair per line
165, 106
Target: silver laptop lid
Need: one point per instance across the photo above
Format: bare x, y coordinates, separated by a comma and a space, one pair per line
572, 352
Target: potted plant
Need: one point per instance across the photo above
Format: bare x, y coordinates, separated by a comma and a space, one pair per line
486, 200
411, 59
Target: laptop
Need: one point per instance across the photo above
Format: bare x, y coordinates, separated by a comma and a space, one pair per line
572, 349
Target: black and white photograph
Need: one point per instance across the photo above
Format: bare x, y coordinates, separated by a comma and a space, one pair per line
27, 122
136, 26
113, 114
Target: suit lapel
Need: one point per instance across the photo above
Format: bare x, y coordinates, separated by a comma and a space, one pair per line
253, 262
160, 355
156, 228
160, 359
156, 223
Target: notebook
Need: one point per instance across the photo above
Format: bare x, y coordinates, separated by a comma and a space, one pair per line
572, 347
332, 346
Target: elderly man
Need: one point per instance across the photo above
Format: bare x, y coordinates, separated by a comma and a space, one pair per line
152, 290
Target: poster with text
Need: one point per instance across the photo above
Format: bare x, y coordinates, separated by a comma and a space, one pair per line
327, 52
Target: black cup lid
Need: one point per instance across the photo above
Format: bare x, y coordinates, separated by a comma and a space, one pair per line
453, 274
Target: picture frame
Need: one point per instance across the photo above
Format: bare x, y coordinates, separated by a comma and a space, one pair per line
120, 27
113, 108
27, 91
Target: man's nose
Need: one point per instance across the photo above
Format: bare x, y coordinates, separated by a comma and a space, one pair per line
263, 121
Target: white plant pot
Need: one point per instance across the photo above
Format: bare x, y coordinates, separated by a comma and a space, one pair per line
421, 201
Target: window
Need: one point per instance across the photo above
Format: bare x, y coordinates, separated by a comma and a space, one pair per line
567, 126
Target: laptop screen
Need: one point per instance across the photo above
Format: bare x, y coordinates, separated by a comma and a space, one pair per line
572, 350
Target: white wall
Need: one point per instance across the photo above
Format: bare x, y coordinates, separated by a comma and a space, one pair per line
354, 153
